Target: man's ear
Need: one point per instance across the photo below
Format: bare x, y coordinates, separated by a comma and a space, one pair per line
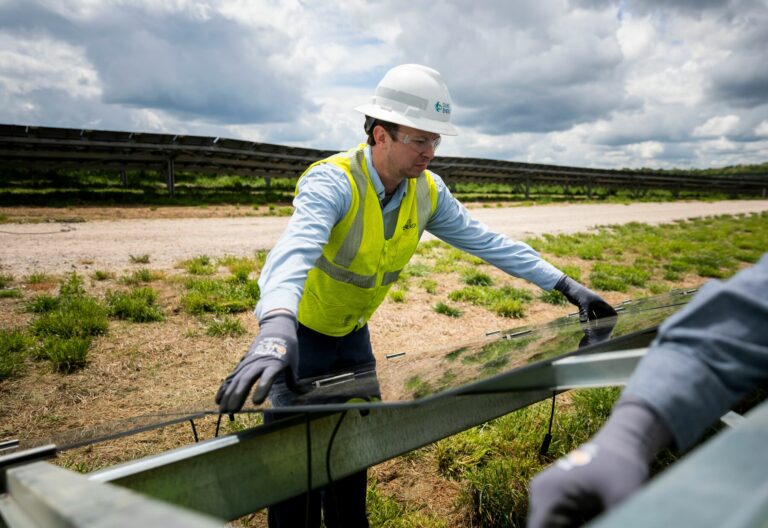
381, 135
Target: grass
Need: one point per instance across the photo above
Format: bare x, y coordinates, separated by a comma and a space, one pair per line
66, 324
141, 276
219, 295
139, 259
445, 309
201, 265
491, 464
225, 327
506, 301
14, 345
137, 305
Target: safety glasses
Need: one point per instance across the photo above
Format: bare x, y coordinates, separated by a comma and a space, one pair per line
420, 144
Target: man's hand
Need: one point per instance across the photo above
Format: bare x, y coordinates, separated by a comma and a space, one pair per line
601, 473
274, 350
591, 305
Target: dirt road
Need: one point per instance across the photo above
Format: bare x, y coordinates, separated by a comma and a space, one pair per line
109, 244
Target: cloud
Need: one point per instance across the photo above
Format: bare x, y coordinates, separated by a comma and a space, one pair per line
717, 126
187, 61
579, 82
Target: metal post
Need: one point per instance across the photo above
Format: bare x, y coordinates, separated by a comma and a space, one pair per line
170, 177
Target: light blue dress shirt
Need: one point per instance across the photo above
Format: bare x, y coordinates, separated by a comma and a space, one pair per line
324, 197
708, 355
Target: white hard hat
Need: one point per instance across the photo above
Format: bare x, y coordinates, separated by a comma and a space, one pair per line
412, 95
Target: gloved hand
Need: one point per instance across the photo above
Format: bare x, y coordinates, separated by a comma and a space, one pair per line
601, 473
274, 350
596, 331
591, 305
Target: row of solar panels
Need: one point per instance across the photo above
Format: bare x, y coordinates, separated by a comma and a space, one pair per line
49, 147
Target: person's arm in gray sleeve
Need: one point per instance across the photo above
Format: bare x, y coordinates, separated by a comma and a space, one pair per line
706, 357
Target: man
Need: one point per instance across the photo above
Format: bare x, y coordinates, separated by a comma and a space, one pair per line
357, 221
705, 358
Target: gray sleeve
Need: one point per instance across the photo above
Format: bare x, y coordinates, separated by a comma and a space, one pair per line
708, 355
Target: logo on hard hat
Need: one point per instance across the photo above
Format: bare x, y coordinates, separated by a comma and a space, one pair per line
445, 108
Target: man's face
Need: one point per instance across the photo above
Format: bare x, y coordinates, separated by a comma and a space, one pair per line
410, 151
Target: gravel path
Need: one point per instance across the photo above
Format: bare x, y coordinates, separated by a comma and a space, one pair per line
108, 245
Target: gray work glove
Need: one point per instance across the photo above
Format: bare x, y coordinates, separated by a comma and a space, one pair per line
274, 350
591, 305
601, 473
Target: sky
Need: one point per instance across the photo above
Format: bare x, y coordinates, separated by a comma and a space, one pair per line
589, 83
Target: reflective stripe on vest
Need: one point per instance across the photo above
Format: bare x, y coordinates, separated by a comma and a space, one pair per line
339, 296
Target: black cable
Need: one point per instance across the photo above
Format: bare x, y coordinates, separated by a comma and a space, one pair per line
544, 449
194, 430
218, 424
328, 462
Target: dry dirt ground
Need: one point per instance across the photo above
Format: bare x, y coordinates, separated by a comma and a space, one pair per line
139, 369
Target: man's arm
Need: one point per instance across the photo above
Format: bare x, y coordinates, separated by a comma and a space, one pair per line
319, 204
453, 224
704, 359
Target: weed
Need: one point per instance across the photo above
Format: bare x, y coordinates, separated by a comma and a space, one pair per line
418, 387
13, 349
38, 278
137, 305
553, 297
42, 303
397, 296
102, 275
201, 265
384, 511
226, 326
11, 294
509, 308
5, 280
429, 285
211, 295
139, 259
66, 354
617, 277
140, 276
445, 309
477, 278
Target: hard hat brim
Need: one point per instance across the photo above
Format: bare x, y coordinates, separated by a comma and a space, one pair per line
426, 125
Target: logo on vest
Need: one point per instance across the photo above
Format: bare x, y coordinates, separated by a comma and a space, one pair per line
409, 225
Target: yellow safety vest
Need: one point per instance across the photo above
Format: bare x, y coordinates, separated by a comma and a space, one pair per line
358, 265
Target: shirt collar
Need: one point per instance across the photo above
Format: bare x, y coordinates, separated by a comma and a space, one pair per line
376, 179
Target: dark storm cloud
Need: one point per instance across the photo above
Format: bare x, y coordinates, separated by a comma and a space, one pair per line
191, 66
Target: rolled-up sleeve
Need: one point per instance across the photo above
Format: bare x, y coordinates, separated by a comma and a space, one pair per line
708, 355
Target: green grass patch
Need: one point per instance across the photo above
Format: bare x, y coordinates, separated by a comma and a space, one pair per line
141, 276
138, 305
139, 259
429, 285
5, 280
14, 345
102, 275
553, 297
445, 309
39, 277
638, 255
397, 296
506, 301
477, 278
42, 303
225, 326
218, 295
66, 354
201, 265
